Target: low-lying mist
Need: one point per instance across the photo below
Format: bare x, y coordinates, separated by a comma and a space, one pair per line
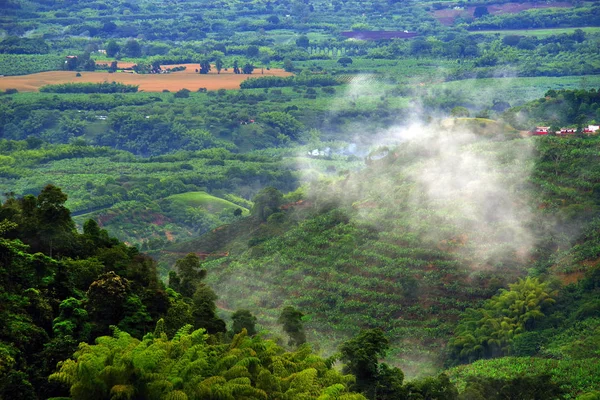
457, 180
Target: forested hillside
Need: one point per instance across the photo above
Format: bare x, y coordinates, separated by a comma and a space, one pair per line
268, 199
408, 243
61, 288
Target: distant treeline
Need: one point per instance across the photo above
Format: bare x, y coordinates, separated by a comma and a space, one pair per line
276, 81
17, 45
105, 87
558, 108
546, 18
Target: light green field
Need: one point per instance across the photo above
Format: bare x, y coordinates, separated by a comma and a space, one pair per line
281, 36
537, 32
517, 90
482, 125
202, 199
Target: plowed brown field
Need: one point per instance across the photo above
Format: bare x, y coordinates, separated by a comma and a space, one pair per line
188, 79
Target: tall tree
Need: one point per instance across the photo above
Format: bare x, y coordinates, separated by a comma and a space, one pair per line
219, 65
190, 366
248, 68
303, 42
189, 275
361, 355
266, 202
112, 48
204, 310
132, 48
47, 224
291, 319
490, 330
204, 66
106, 300
243, 319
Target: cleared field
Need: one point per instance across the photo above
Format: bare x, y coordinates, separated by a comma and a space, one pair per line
150, 83
190, 68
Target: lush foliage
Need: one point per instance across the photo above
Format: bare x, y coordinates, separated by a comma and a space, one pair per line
61, 288
573, 377
190, 367
559, 108
489, 331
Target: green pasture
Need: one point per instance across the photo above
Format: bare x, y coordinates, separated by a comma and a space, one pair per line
282, 36
404, 70
536, 32
204, 200
516, 90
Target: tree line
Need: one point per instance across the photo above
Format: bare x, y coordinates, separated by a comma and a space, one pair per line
104, 87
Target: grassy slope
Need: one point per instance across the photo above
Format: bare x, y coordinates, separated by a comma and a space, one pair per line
204, 200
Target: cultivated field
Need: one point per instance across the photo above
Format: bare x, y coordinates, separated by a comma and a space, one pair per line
447, 16
188, 79
536, 32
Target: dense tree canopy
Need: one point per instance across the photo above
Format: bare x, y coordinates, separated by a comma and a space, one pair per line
188, 366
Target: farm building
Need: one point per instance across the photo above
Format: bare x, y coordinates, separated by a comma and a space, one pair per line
545, 130
566, 131
541, 130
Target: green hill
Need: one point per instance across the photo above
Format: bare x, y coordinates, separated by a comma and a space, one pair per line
204, 200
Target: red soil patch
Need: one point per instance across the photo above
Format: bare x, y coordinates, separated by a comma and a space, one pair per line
297, 204
120, 64
221, 305
149, 83
103, 219
158, 219
201, 255
189, 68
447, 16
572, 277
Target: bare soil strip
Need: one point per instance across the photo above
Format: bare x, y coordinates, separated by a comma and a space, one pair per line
188, 79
